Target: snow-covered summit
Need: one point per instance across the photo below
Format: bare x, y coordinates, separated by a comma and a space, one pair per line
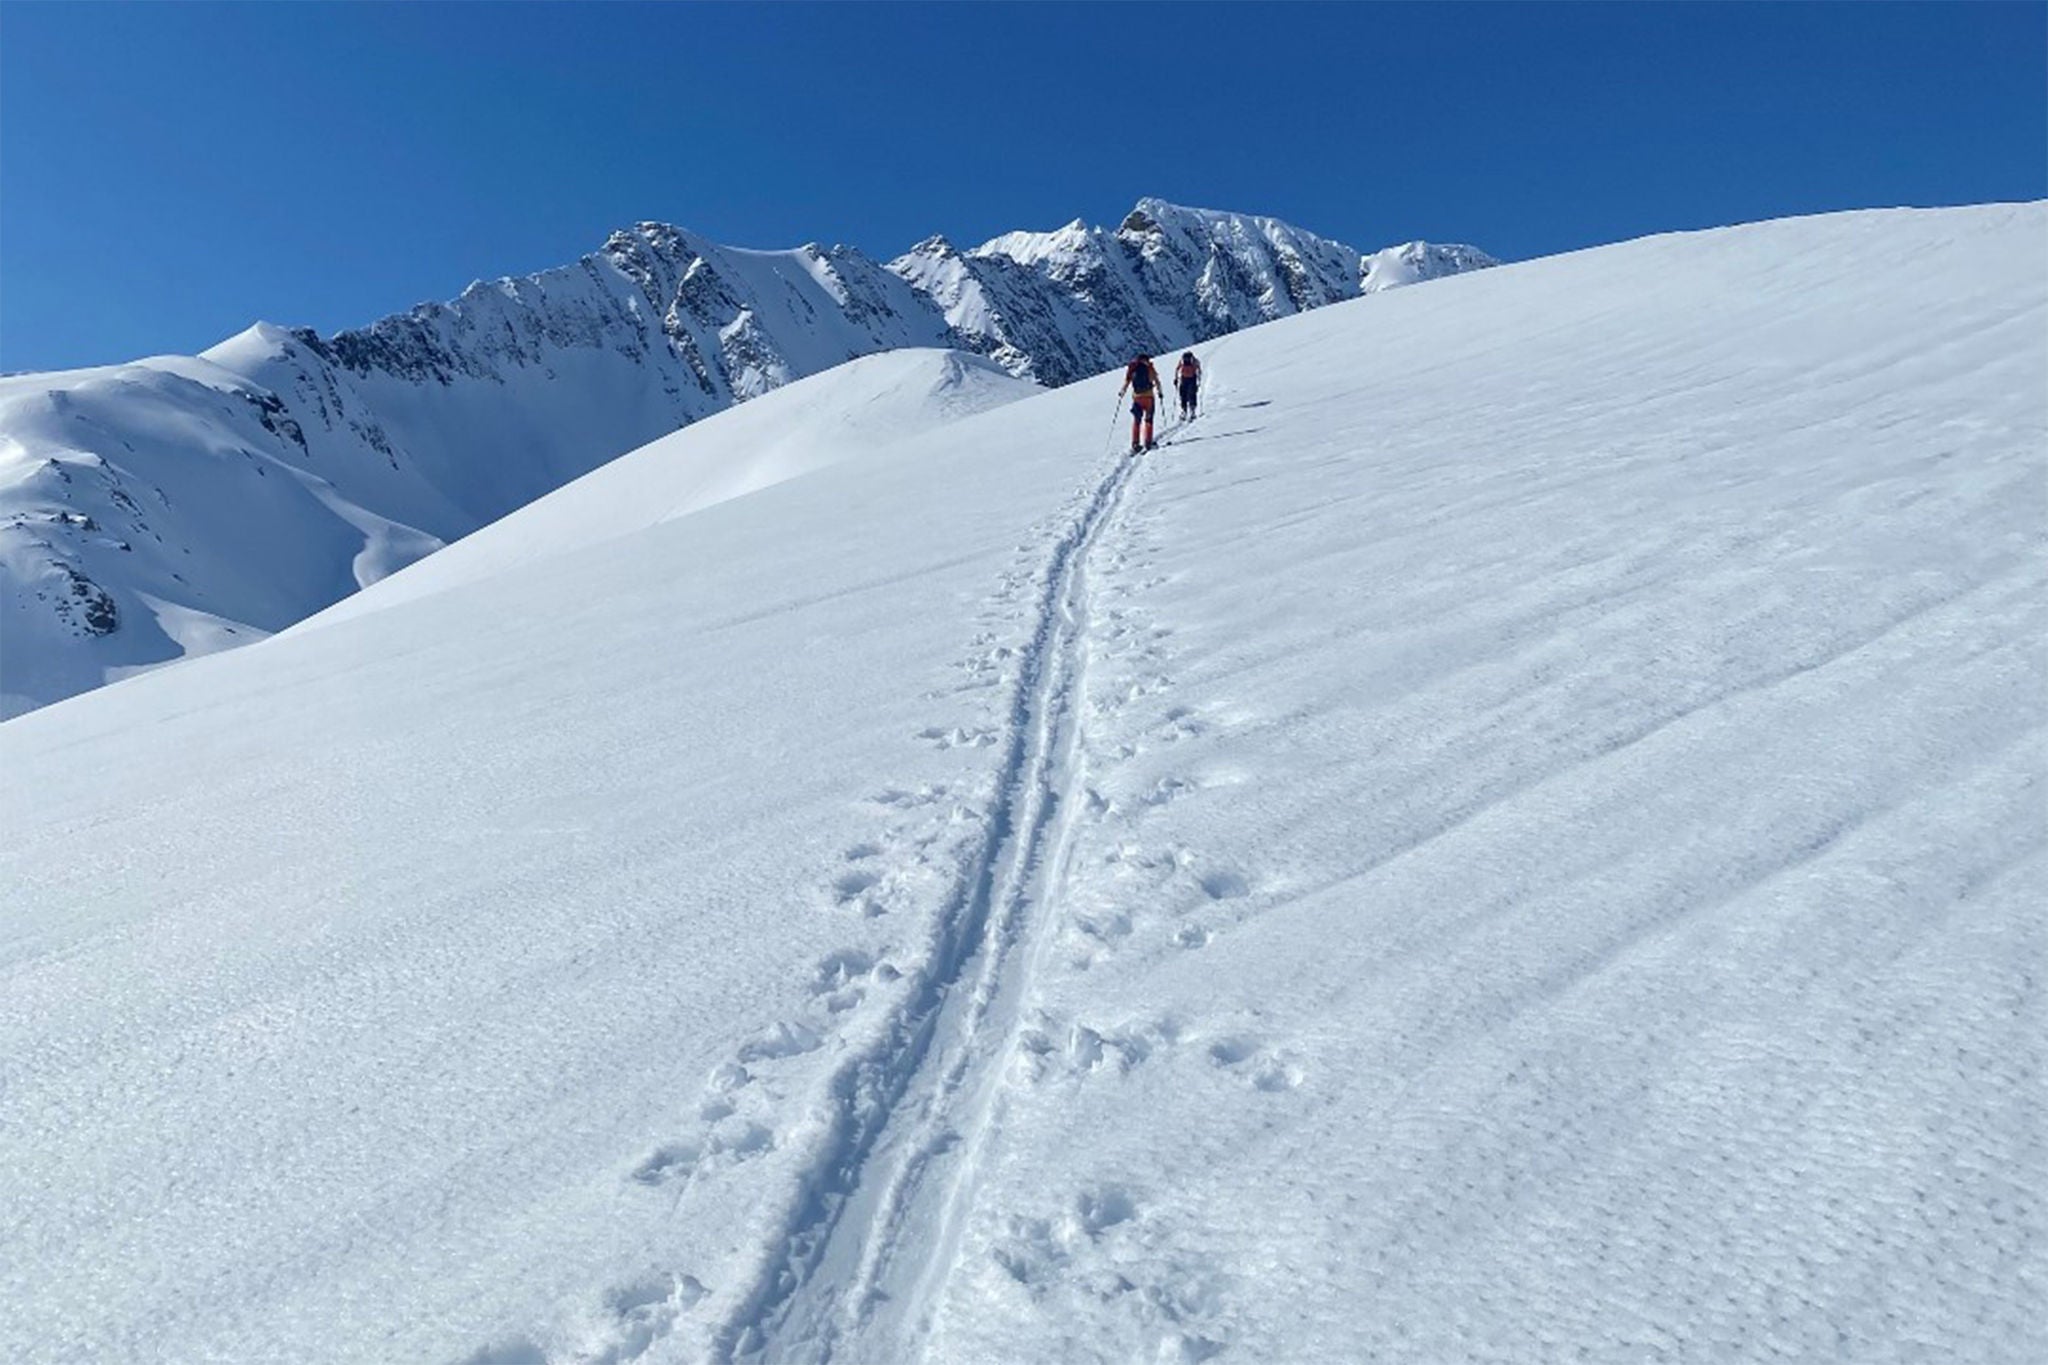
164, 508
1415, 262
1030, 248
1057, 305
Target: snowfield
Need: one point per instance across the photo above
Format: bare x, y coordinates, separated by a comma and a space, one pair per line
1511, 837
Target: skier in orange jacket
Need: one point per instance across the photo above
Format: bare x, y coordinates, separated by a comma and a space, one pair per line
1141, 381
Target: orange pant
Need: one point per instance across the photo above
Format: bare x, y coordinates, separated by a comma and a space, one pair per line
1141, 417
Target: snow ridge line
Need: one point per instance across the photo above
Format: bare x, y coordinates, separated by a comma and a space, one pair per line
868, 1087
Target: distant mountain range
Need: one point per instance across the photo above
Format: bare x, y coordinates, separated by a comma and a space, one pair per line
179, 505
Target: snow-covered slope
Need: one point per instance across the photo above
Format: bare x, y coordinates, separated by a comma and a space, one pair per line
147, 513
282, 470
1520, 839
848, 411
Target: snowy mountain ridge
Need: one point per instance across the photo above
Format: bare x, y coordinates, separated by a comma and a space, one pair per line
1060, 305
176, 505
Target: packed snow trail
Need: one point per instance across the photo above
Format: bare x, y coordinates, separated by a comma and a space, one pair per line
917, 1110
1546, 863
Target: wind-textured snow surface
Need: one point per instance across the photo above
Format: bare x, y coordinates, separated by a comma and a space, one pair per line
1516, 835
175, 506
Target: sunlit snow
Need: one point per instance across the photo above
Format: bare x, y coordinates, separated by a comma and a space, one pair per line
1515, 835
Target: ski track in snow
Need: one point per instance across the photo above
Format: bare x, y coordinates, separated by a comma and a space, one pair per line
911, 1110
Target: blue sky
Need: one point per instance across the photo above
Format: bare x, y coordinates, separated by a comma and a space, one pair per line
171, 172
